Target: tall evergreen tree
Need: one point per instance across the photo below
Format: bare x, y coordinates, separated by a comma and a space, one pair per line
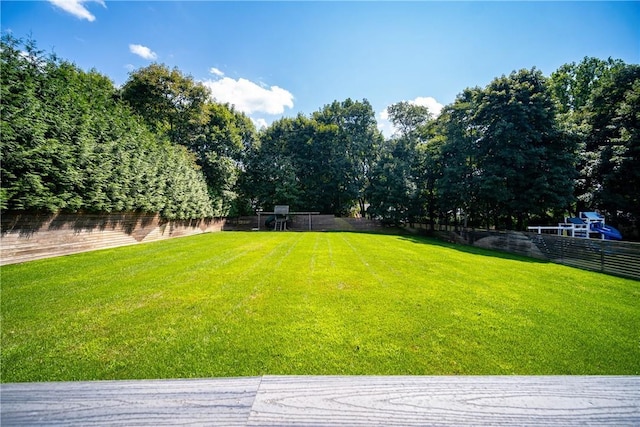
69, 144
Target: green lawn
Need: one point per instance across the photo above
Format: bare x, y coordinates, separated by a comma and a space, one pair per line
236, 304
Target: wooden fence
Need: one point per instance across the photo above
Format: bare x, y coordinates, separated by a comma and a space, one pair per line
605, 256
302, 223
30, 236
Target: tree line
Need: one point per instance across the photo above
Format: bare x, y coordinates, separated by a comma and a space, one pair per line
526, 148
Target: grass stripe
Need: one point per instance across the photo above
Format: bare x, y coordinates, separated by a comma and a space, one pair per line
234, 304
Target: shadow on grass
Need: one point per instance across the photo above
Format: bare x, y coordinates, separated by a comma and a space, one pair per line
428, 240
434, 241
474, 250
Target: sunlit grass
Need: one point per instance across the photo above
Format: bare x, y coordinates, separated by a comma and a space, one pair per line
235, 304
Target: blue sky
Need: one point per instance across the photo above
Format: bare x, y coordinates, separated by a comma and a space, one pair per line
275, 59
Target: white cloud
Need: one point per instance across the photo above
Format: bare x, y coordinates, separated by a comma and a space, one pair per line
386, 127
215, 71
434, 106
77, 8
142, 51
250, 97
260, 123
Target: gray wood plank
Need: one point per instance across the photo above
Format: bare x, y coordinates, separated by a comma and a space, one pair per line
459, 401
314, 401
223, 402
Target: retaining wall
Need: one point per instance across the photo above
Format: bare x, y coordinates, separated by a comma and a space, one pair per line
31, 236
28, 236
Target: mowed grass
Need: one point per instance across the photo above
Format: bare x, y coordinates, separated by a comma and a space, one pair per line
245, 304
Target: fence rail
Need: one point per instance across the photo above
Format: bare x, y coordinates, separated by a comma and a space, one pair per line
605, 256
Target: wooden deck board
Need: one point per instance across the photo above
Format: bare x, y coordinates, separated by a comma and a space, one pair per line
213, 402
459, 401
319, 400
